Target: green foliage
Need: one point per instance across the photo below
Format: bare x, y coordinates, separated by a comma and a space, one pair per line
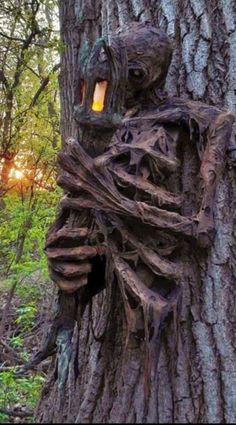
27, 219
26, 316
24, 220
20, 392
17, 342
23, 226
3, 418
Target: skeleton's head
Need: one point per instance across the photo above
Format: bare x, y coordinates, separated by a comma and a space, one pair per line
131, 70
149, 53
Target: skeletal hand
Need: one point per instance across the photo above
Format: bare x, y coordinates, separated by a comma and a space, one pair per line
69, 258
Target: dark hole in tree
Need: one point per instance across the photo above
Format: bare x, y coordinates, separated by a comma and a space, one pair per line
127, 137
164, 287
207, 210
96, 278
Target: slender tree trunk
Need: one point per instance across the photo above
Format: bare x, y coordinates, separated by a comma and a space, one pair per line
195, 378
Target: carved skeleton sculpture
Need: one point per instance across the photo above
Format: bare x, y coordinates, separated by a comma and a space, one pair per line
139, 183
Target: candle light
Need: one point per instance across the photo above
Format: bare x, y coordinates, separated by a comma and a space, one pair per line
99, 96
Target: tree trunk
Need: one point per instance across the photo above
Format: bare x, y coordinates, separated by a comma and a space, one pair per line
194, 379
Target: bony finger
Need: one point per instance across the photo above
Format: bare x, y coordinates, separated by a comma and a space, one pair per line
71, 286
79, 253
68, 285
65, 235
70, 269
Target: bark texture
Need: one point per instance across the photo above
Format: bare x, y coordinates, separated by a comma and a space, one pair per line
112, 380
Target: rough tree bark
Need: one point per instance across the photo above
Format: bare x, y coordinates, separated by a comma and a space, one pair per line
195, 380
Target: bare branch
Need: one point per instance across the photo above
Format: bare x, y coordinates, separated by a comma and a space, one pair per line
10, 350
9, 37
43, 86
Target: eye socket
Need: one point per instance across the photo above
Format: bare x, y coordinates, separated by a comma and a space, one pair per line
136, 74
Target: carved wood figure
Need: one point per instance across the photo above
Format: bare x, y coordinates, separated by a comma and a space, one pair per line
129, 209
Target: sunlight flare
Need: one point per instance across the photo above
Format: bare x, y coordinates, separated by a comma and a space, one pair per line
16, 174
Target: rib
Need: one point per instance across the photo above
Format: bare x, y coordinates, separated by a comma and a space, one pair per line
163, 161
149, 215
162, 196
157, 264
136, 287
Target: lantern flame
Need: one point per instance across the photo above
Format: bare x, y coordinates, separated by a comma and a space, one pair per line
99, 96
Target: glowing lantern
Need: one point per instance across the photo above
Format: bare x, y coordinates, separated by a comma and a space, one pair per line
102, 83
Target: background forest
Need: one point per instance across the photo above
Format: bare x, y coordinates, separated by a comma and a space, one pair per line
29, 140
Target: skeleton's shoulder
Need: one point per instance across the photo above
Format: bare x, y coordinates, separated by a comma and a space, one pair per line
176, 116
179, 111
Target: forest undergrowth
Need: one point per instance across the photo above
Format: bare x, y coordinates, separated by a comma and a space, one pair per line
26, 300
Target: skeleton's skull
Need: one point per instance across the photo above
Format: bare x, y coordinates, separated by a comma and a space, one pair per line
129, 71
149, 53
